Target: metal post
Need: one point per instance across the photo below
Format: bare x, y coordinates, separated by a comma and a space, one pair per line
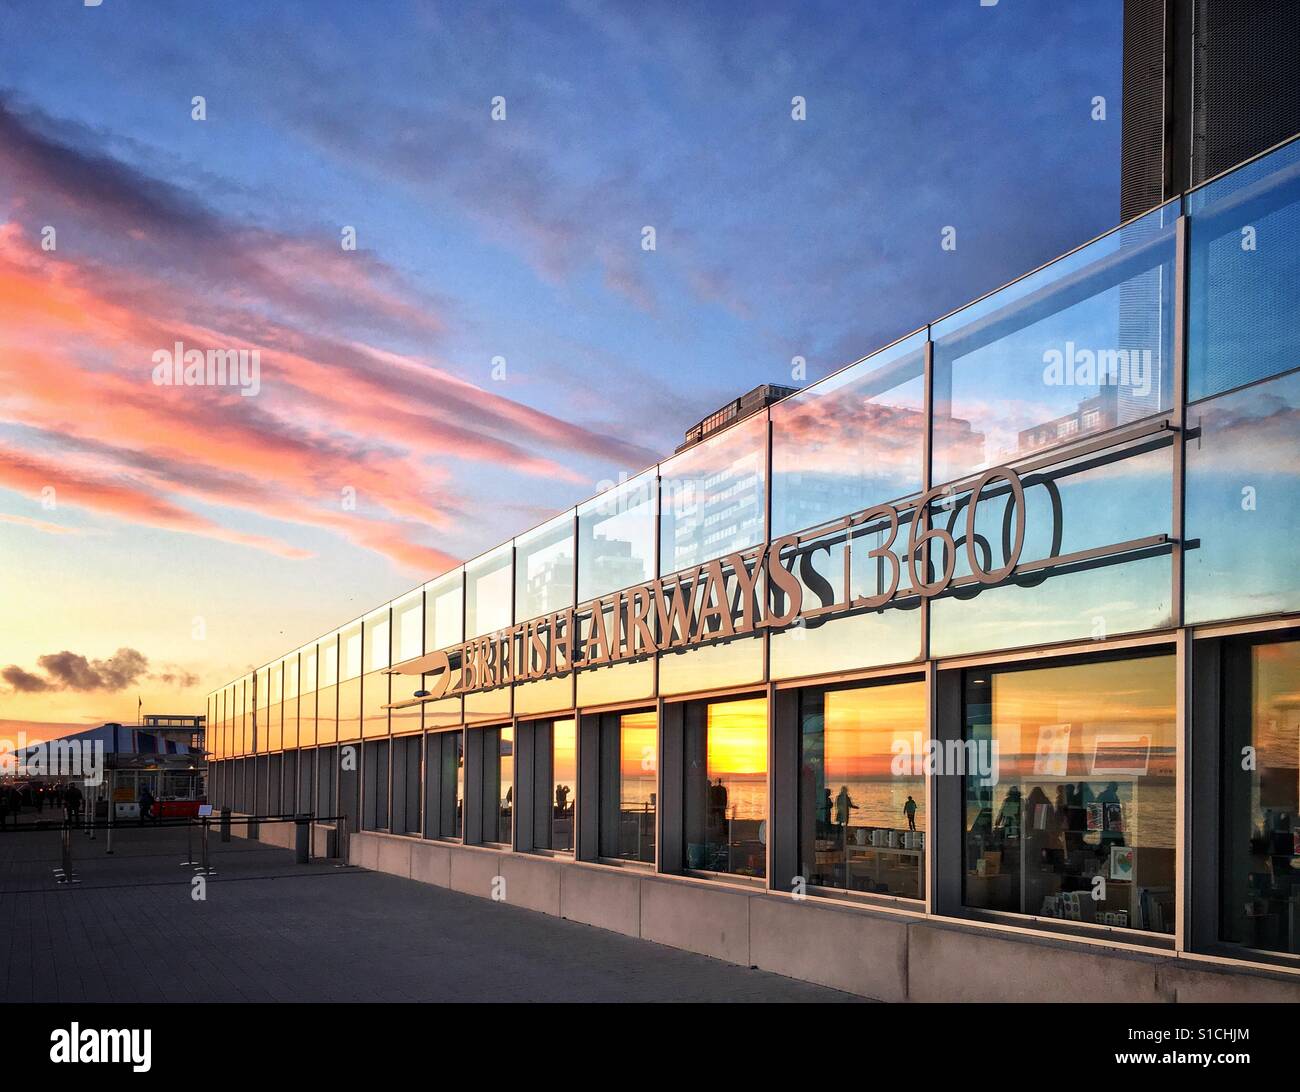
205, 866
225, 824
189, 861
65, 874
111, 808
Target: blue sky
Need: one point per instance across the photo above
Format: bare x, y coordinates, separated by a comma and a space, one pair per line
480, 239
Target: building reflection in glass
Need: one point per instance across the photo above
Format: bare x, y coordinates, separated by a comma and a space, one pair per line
1261, 797
616, 537
713, 496
499, 784
1243, 502
1243, 274
862, 789
1074, 814
629, 758
1080, 346
853, 440
726, 787
564, 782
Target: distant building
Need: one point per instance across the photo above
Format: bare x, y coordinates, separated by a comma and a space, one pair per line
748, 404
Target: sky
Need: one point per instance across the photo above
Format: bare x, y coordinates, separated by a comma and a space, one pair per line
500, 343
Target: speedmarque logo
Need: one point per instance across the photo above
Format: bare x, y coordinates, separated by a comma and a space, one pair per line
112, 1045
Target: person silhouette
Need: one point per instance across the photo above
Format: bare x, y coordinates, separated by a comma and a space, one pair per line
909, 810
843, 806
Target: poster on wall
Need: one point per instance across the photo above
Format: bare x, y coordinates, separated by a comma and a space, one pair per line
1052, 758
1121, 862
1128, 755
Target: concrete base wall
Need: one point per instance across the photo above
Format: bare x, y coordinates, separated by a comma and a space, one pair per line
889, 956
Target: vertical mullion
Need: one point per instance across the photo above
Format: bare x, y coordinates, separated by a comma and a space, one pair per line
927, 456
1178, 531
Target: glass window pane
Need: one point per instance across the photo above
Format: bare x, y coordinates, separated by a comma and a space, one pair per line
1073, 792
408, 627
1243, 276
488, 591
629, 759
499, 784
442, 611
544, 696
1090, 502
714, 497
708, 667
1079, 347
862, 813
564, 781
350, 664
349, 709
616, 683
616, 538
1243, 503
376, 640
444, 784
327, 714
328, 664
1261, 803
544, 568
726, 786
853, 440
374, 696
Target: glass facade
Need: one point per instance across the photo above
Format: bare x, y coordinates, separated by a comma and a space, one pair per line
1070, 792
489, 587
1243, 479
713, 497
444, 604
1243, 279
1080, 346
444, 784
544, 572
560, 788
1261, 798
1136, 524
629, 757
726, 787
862, 789
616, 537
851, 441
498, 784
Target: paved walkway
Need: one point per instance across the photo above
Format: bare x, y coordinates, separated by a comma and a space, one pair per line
272, 930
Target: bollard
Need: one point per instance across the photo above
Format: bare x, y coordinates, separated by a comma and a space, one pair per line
302, 839
65, 874
252, 832
225, 824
